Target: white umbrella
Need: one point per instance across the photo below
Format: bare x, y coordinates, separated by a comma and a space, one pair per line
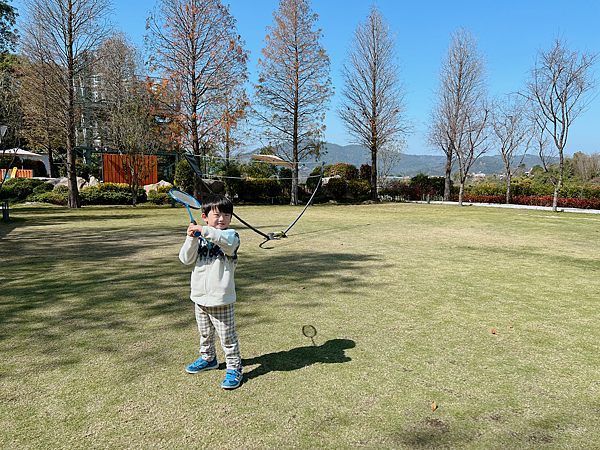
20, 152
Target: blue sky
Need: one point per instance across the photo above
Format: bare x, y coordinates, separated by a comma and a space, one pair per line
509, 32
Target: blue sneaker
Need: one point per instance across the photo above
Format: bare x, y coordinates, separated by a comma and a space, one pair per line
233, 379
202, 365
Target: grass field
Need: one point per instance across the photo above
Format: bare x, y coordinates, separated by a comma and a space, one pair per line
96, 328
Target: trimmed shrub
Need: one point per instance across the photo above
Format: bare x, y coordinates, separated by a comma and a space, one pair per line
44, 187
53, 197
311, 182
547, 200
232, 181
285, 180
159, 198
184, 176
426, 185
359, 189
259, 189
337, 187
345, 171
91, 195
19, 188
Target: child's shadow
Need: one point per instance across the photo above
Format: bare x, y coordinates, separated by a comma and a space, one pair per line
330, 352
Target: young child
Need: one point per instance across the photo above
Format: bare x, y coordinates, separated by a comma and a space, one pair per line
214, 256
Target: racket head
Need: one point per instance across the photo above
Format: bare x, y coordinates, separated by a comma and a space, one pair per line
309, 331
185, 198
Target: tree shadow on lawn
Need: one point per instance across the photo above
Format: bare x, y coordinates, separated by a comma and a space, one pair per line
72, 284
331, 352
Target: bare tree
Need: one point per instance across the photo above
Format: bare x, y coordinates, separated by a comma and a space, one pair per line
234, 114
129, 126
294, 86
513, 133
372, 106
561, 85
195, 45
388, 156
586, 166
11, 113
459, 117
41, 94
60, 36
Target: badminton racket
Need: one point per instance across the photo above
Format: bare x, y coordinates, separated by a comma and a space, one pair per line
188, 201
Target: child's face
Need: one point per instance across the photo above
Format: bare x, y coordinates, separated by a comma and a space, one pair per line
217, 220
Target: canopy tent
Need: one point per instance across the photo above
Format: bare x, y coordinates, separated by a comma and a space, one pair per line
273, 160
20, 153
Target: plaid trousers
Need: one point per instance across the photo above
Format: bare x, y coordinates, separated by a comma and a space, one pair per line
219, 319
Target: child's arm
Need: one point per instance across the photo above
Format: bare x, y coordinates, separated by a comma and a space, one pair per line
189, 250
228, 240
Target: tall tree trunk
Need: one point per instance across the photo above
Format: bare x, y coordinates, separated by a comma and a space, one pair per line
74, 201
294, 196
374, 172
448, 177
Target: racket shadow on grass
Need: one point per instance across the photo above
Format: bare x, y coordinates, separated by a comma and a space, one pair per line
331, 352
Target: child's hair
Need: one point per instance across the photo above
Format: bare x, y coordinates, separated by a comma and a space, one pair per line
218, 202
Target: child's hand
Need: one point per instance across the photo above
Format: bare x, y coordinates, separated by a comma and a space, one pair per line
193, 229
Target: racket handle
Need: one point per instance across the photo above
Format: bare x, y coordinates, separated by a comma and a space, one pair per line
197, 234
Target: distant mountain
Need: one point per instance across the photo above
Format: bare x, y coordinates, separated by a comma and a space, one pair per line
411, 165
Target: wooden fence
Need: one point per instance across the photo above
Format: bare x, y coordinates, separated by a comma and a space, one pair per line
25, 173
114, 172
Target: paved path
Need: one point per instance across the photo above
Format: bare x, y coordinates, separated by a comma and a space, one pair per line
504, 205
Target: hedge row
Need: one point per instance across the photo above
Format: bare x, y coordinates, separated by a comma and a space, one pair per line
546, 200
527, 190
34, 190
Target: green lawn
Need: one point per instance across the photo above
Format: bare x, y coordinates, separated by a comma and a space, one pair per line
96, 328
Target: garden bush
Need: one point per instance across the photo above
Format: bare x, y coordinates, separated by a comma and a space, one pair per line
253, 190
92, 195
359, 189
19, 188
53, 197
44, 187
337, 187
232, 181
159, 198
285, 180
164, 189
524, 188
345, 171
184, 176
313, 179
